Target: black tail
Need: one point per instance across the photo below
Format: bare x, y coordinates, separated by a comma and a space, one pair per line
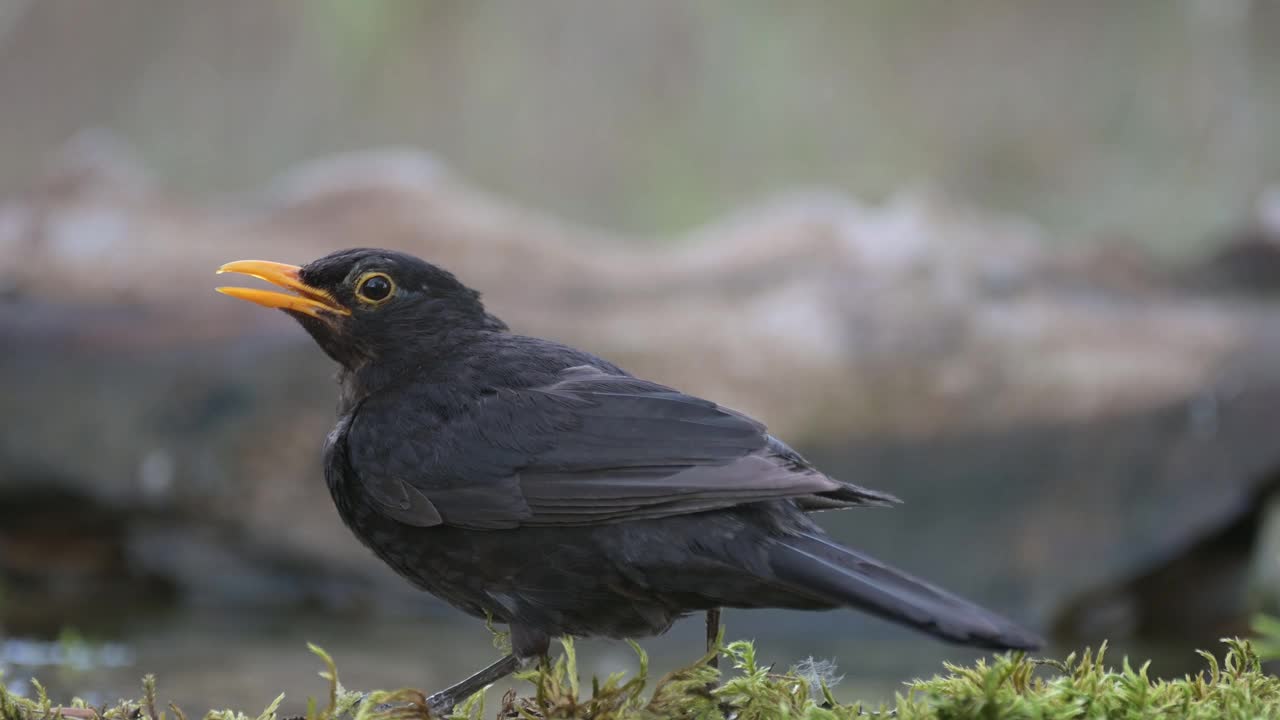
818, 566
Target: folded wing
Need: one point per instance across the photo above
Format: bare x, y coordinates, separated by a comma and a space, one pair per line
587, 448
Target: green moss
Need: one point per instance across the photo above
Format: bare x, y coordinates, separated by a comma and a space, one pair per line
1006, 688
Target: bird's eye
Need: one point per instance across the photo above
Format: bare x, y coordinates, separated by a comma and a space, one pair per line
374, 288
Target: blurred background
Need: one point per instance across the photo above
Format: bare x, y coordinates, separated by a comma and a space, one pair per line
1015, 262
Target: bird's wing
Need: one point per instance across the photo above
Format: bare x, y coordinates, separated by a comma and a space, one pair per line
585, 449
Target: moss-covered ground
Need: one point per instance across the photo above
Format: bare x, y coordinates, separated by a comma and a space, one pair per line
1007, 687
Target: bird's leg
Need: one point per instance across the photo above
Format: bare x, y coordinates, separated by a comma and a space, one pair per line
713, 635
442, 702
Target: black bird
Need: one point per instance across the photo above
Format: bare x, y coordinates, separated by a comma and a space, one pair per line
548, 488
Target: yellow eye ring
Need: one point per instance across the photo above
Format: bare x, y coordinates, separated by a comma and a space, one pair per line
375, 288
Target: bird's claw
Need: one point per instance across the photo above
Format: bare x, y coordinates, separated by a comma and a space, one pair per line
440, 704
364, 698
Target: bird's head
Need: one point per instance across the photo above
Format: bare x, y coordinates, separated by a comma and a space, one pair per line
367, 306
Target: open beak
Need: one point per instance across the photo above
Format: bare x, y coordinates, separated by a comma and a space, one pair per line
307, 300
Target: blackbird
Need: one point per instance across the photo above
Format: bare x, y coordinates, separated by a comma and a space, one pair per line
537, 484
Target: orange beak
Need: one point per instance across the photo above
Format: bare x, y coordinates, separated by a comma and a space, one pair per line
308, 300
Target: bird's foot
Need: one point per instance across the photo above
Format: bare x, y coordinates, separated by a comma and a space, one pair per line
441, 704
364, 698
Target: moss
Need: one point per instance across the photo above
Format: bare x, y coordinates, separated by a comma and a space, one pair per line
1006, 688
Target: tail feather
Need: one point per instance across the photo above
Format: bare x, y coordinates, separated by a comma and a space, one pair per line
818, 566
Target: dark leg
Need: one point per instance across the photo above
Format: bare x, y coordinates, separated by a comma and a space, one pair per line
442, 702
713, 634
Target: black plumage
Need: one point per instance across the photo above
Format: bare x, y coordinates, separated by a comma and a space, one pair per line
544, 486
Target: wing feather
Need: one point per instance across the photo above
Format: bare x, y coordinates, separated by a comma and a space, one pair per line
587, 448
